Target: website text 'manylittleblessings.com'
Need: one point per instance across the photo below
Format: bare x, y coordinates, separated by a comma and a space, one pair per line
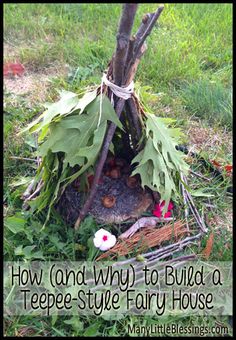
176, 329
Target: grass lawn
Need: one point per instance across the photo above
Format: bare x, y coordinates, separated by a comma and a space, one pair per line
188, 66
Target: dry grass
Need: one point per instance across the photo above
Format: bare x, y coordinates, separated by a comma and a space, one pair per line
33, 86
208, 139
223, 221
208, 249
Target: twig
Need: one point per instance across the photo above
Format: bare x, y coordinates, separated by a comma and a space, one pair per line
143, 27
123, 36
28, 190
24, 159
133, 64
195, 212
200, 176
142, 223
135, 39
33, 195
100, 164
120, 57
186, 212
134, 116
135, 52
148, 30
164, 250
130, 52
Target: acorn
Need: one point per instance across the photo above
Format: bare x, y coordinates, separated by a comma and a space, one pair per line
132, 182
108, 201
115, 173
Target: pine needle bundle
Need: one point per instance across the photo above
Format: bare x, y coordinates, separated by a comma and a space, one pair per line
147, 238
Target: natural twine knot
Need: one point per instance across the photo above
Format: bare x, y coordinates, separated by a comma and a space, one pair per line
121, 92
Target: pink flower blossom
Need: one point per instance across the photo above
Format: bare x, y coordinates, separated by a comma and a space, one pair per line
158, 211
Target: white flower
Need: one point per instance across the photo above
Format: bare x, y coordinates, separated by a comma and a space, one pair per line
104, 240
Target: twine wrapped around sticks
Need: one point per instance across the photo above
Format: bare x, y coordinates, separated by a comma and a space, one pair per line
121, 92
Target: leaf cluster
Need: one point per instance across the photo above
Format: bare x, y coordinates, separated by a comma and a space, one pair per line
72, 131
159, 163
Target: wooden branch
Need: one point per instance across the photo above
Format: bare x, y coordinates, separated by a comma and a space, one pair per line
144, 222
128, 152
24, 159
144, 30
135, 40
130, 52
135, 117
143, 27
28, 190
33, 195
148, 30
131, 128
133, 65
100, 164
164, 251
192, 207
200, 176
123, 36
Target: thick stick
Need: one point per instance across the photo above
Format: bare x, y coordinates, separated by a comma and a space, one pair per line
148, 30
135, 117
135, 40
28, 190
33, 195
138, 48
143, 27
102, 159
144, 30
142, 223
131, 129
133, 65
123, 36
128, 152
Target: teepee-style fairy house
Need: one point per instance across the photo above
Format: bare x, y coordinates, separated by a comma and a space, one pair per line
106, 133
